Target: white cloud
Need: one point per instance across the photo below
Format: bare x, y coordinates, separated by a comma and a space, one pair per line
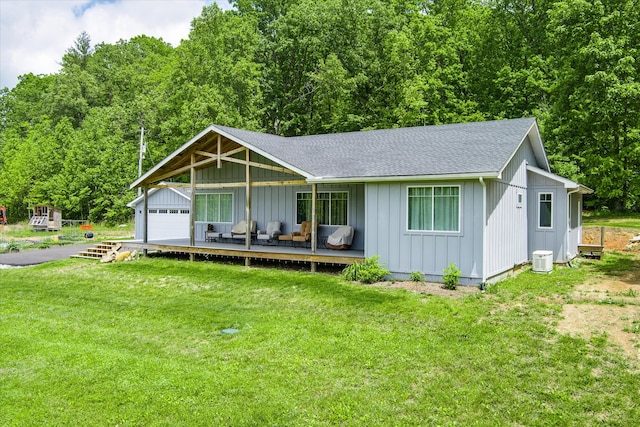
34, 34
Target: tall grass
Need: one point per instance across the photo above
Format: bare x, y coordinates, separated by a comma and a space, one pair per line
140, 343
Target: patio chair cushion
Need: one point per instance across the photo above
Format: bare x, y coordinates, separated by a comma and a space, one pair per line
272, 231
341, 238
239, 230
304, 235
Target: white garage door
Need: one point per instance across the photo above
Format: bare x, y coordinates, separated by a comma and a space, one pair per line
168, 224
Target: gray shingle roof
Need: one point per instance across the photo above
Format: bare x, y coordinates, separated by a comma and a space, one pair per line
456, 149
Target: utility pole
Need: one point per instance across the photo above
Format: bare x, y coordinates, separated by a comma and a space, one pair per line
143, 148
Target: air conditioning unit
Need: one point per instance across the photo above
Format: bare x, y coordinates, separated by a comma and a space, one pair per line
543, 261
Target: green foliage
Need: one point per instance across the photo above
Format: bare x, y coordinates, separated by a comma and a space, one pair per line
451, 276
368, 271
308, 67
417, 276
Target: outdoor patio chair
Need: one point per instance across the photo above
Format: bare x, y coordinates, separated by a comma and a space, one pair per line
271, 233
341, 238
239, 231
302, 236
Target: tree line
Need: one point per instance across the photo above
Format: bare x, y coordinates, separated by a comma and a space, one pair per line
299, 67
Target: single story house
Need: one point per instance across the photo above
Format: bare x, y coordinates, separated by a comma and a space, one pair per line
479, 195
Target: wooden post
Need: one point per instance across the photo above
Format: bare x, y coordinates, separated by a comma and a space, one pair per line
314, 223
192, 210
219, 151
602, 238
145, 216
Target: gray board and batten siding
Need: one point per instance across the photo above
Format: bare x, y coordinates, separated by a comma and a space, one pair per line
276, 203
565, 232
405, 251
499, 168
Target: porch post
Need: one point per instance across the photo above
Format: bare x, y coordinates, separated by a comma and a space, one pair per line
192, 210
247, 260
314, 223
145, 217
219, 164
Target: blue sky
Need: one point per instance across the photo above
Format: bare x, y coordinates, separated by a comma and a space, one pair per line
34, 34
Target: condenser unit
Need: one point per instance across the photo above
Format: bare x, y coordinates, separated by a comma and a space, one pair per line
542, 261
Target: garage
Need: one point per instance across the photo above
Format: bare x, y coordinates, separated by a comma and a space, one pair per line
168, 214
168, 224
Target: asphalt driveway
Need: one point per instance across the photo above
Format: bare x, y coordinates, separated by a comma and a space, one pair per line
38, 256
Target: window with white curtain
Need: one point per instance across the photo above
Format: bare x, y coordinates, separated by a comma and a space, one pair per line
433, 208
331, 207
215, 207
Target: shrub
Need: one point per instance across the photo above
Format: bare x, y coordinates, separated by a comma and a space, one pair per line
450, 276
417, 276
368, 271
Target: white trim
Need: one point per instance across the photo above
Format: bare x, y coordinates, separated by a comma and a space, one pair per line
402, 178
538, 194
536, 145
134, 202
207, 208
459, 228
567, 183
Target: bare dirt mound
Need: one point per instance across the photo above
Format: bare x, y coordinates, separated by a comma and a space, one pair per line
615, 239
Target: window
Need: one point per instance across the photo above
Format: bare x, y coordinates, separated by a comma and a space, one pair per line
545, 210
519, 200
433, 208
331, 207
214, 207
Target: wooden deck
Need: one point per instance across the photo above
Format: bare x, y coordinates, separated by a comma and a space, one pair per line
279, 252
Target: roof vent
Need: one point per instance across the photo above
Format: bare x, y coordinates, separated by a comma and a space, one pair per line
543, 261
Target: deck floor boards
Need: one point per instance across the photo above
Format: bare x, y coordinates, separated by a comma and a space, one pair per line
280, 251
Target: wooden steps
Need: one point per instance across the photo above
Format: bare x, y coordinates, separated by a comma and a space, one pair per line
99, 250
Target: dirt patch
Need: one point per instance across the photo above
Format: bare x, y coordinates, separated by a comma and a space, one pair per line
615, 239
429, 288
607, 305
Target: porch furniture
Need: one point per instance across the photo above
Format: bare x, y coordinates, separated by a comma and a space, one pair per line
210, 234
341, 238
302, 236
271, 234
239, 231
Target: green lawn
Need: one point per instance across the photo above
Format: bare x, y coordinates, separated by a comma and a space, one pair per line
613, 220
140, 344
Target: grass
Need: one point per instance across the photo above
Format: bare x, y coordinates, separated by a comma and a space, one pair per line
140, 343
630, 220
21, 236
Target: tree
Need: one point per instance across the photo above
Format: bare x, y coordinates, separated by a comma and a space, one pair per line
596, 98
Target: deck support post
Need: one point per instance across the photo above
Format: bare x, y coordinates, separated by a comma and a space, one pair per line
314, 223
145, 216
192, 210
248, 202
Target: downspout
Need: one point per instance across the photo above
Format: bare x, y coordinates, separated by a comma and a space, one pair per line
484, 233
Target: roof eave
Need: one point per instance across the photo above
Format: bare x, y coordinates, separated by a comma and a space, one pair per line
402, 178
213, 128
536, 145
